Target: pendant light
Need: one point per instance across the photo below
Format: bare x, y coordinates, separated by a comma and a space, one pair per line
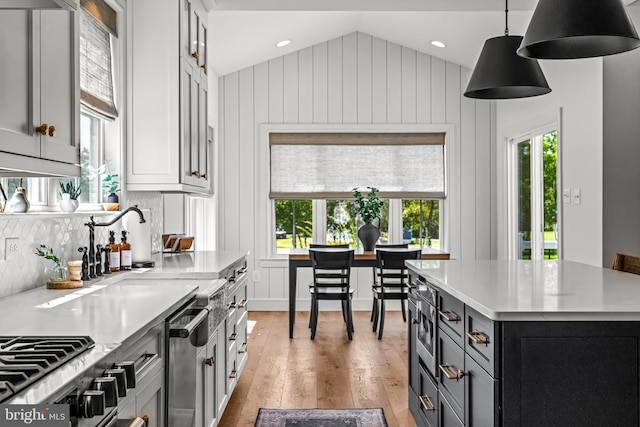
570, 29
501, 74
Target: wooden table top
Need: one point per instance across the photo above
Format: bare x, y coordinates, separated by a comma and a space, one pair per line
302, 254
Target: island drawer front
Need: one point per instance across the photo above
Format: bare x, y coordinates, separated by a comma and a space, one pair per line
447, 415
451, 359
428, 394
481, 407
481, 336
451, 317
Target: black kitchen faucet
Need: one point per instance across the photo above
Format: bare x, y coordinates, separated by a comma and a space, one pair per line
92, 225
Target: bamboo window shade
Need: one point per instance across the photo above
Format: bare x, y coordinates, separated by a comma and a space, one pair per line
331, 165
97, 25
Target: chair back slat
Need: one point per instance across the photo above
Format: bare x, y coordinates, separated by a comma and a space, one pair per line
627, 263
392, 271
331, 268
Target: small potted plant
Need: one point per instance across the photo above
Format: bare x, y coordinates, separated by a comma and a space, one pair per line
110, 186
369, 209
69, 194
57, 273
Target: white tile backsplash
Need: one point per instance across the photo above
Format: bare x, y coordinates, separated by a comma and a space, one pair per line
64, 233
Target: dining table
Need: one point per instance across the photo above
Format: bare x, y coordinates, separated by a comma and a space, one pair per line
299, 257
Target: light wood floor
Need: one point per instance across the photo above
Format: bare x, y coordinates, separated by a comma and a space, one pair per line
329, 372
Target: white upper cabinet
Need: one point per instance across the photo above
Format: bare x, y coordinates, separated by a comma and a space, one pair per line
168, 148
39, 4
39, 109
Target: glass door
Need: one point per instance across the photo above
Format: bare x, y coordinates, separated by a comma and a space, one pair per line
534, 196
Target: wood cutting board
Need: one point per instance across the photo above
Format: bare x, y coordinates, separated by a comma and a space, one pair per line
67, 284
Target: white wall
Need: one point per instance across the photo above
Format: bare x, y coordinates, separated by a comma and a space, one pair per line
576, 90
354, 79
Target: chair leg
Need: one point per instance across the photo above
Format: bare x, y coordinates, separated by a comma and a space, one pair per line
349, 319
376, 314
381, 326
314, 317
404, 311
344, 311
373, 309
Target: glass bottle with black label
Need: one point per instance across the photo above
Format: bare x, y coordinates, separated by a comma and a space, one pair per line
114, 255
125, 252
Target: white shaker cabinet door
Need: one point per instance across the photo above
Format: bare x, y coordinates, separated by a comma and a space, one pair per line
17, 117
59, 90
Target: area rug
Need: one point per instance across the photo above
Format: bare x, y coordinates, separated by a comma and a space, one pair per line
321, 418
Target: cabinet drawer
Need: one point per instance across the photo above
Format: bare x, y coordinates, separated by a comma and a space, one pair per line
428, 399
481, 336
447, 416
451, 317
481, 396
451, 363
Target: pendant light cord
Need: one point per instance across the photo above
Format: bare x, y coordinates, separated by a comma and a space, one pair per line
506, 17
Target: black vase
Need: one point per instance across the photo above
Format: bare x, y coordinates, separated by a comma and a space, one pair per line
112, 198
369, 235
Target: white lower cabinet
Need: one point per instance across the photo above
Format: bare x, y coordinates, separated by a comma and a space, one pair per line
208, 359
148, 402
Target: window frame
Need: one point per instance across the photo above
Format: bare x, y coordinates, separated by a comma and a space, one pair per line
266, 241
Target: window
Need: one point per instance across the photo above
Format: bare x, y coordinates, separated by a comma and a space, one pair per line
312, 177
91, 157
533, 193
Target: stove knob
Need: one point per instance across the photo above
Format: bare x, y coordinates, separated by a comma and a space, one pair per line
130, 371
109, 386
93, 403
121, 380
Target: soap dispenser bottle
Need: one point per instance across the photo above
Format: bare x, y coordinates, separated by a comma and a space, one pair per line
125, 252
114, 254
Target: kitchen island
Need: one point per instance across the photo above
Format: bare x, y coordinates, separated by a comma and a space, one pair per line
523, 343
124, 316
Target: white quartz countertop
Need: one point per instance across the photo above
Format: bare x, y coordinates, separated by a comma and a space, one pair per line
200, 264
525, 290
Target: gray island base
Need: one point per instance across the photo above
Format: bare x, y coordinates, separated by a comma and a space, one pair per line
523, 343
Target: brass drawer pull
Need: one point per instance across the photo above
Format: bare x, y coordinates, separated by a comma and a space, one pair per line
243, 303
233, 374
42, 129
450, 372
243, 348
427, 404
52, 131
232, 305
415, 321
449, 315
233, 336
478, 337
209, 361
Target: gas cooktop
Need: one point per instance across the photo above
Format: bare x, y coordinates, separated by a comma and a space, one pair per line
26, 359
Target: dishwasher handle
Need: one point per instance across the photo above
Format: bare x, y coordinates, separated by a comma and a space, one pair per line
185, 331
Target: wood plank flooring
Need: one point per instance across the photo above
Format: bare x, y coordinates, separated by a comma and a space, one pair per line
330, 372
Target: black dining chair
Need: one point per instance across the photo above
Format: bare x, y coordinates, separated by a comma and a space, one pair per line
375, 269
321, 245
331, 281
393, 282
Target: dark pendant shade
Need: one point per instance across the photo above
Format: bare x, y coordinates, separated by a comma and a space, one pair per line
570, 29
501, 74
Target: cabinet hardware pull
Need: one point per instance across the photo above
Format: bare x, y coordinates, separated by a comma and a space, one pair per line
145, 418
233, 336
243, 348
412, 285
52, 131
204, 175
415, 321
478, 337
42, 129
232, 305
233, 374
427, 404
195, 54
243, 303
209, 361
451, 373
195, 173
204, 67
449, 315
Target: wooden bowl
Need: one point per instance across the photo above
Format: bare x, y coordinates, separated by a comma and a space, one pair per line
111, 206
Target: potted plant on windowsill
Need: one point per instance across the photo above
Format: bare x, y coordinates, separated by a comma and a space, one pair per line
369, 209
69, 194
110, 186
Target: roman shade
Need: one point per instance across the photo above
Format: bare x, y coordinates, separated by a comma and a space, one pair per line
330, 165
96, 64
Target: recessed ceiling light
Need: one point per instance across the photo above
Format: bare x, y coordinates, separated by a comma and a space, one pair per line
283, 43
438, 43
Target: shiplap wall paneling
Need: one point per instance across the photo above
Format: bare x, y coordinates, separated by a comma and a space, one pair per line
352, 79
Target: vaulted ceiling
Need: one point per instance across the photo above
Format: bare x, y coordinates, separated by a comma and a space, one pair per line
244, 32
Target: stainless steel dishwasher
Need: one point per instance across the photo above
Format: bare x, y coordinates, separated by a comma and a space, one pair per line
187, 330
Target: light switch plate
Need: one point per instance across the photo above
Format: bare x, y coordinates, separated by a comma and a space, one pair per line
566, 195
576, 198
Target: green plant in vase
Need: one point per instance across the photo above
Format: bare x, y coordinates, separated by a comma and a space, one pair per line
110, 184
369, 209
69, 194
57, 273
